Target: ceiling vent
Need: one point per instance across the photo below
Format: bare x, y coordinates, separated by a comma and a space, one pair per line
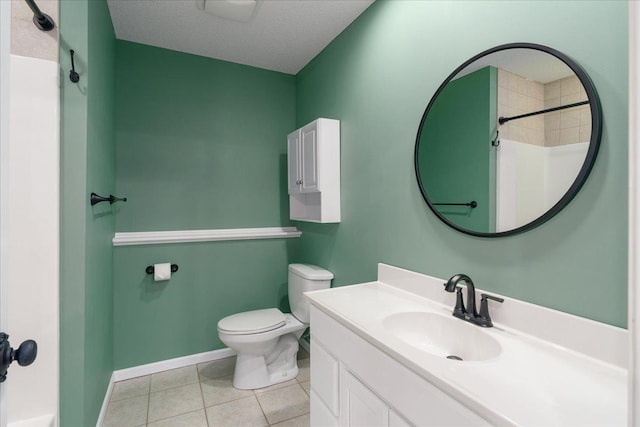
235, 10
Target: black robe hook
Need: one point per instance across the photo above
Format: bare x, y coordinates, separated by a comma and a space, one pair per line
73, 76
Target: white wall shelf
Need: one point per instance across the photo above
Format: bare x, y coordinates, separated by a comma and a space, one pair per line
314, 172
190, 236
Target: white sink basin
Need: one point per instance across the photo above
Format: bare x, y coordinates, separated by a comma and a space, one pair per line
443, 336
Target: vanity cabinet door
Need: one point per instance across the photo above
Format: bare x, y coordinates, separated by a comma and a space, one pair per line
324, 377
359, 406
396, 420
293, 156
321, 416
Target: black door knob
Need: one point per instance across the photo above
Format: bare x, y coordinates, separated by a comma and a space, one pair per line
24, 355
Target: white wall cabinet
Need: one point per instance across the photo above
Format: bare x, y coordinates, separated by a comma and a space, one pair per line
372, 389
314, 172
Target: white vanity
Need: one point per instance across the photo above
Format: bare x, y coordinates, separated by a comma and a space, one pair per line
379, 358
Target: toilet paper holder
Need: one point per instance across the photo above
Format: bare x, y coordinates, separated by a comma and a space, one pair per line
150, 269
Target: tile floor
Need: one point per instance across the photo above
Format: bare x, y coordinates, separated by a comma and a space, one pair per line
202, 396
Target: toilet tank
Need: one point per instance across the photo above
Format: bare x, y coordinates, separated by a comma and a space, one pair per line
304, 278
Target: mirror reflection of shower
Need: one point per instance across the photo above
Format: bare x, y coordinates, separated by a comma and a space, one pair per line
538, 155
510, 130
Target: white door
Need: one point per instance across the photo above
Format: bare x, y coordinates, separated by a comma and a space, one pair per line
5, 25
22, 354
309, 154
634, 213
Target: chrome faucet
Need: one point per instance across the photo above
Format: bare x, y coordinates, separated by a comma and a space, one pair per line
470, 314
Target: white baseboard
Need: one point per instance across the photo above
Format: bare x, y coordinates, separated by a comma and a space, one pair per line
165, 365
105, 402
153, 368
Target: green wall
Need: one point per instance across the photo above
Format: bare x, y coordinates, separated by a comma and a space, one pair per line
200, 144
87, 164
455, 150
378, 76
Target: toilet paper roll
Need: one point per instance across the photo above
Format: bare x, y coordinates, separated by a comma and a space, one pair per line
162, 271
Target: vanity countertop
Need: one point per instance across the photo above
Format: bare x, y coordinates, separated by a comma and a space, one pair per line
532, 382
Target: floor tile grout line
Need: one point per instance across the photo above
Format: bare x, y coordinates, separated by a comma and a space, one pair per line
133, 396
264, 414
178, 415
204, 404
201, 379
299, 415
175, 415
289, 419
146, 421
128, 397
174, 386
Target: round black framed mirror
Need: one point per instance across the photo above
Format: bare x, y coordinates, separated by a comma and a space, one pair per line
508, 140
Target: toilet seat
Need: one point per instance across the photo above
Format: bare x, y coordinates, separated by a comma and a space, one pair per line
252, 322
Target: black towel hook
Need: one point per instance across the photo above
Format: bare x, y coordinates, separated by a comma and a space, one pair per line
73, 76
496, 140
111, 199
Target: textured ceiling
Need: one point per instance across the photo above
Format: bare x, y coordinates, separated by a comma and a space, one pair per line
284, 35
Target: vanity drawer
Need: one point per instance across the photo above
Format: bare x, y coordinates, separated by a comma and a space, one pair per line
324, 376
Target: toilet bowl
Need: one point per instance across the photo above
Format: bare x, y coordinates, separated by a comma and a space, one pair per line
266, 340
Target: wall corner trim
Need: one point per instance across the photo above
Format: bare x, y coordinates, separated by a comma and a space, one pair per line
190, 236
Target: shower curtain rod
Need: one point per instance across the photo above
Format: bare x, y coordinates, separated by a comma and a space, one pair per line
41, 20
503, 120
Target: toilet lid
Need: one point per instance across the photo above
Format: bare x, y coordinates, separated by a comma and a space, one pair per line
252, 322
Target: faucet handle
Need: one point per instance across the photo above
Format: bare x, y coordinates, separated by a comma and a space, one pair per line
459, 310
483, 318
485, 297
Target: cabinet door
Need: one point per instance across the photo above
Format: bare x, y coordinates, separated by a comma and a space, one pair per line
320, 415
359, 407
396, 420
324, 377
309, 157
293, 156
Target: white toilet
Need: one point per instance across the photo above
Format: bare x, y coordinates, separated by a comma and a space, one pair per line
267, 340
